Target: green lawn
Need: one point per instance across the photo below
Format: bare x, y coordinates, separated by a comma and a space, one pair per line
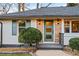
15, 55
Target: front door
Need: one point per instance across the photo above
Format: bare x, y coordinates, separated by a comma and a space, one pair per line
48, 31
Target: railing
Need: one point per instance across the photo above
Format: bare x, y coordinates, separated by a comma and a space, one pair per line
61, 39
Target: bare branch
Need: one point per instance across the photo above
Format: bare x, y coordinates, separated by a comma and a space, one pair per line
48, 5
9, 8
5, 7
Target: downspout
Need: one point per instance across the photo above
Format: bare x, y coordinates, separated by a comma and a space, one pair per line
1, 33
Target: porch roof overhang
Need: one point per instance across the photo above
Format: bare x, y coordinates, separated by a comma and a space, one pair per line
40, 17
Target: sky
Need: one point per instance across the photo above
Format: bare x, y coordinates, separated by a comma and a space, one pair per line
45, 4
14, 7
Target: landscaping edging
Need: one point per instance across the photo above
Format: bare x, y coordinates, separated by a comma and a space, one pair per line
18, 52
15, 52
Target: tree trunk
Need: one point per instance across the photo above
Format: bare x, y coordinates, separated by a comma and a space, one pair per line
30, 45
37, 45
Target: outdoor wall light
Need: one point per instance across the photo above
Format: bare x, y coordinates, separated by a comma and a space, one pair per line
58, 21
39, 22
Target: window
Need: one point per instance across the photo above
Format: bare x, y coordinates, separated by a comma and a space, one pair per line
66, 26
28, 23
75, 26
14, 27
24, 24
21, 26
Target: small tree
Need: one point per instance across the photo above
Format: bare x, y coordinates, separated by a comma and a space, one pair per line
30, 35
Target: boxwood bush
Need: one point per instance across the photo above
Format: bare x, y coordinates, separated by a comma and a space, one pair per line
74, 43
30, 35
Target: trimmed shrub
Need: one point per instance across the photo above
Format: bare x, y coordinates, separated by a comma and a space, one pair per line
74, 43
30, 35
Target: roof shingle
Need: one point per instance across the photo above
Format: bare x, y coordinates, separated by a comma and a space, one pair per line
51, 11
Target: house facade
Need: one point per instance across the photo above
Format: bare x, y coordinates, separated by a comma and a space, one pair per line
57, 24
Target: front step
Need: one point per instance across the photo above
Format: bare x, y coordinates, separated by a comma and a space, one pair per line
50, 46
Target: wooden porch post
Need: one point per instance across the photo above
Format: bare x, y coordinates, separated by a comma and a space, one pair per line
62, 26
62, 33
70, 26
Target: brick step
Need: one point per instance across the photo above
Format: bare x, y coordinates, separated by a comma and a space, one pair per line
50, 46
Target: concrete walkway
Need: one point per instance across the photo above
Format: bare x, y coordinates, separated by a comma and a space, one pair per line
51, 53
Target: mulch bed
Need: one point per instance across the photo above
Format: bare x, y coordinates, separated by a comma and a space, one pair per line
17, 50
68, 50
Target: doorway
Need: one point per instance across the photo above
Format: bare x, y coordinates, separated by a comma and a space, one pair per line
48, 31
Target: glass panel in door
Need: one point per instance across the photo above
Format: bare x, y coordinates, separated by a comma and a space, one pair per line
48, 28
